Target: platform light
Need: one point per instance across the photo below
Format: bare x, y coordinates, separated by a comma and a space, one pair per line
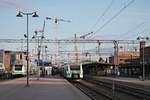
20, 14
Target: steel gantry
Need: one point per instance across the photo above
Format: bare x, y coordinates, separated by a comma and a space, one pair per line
76, 41
70, 41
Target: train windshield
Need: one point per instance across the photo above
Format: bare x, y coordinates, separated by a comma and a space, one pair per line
1, 66
75, 67
18, 67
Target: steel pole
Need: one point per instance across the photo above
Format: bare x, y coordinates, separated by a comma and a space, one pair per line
38, 63
27, 54
143, 66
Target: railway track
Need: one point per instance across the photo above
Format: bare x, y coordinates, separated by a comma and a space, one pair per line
6, 76
91, 91
108, 91
121, 89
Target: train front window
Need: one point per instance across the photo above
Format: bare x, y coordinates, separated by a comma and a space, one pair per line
74, 67
18, 67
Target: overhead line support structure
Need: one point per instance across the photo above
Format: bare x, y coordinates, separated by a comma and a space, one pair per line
115, 53
69, 41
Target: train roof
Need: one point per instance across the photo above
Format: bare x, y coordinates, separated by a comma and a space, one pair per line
98, 64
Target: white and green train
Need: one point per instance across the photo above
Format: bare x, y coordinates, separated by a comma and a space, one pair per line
21, 69
73, 71
2, 69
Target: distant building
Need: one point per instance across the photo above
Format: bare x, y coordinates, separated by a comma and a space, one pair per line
146, 59
123, 56
133, 66
20, 57
5, 58
9, 58
146, 55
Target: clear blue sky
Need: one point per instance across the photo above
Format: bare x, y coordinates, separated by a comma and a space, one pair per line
83, 15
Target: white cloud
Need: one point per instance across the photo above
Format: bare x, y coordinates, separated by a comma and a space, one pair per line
15, 4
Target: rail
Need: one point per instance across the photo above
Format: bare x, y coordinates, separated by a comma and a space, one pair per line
120, 87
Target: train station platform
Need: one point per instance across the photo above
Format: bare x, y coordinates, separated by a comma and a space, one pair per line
129, 80
42, 89
135, 82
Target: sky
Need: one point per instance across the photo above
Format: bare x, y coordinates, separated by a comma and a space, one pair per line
106, 19
85, 16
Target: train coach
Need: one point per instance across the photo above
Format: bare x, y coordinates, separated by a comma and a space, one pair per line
2, 69
72, 71
21, 69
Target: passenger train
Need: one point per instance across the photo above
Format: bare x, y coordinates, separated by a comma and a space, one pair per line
21, 69
2, 69
72, 71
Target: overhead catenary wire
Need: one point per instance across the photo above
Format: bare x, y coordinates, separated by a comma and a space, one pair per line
134, 32
103, 14
113, 17
98, 20
145, 30
133, 29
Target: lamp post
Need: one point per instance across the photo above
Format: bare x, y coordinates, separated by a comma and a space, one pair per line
143, 59
20, 14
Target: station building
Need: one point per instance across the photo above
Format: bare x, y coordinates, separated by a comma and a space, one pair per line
131, 62
123, 56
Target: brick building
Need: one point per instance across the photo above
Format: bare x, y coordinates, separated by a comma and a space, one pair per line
5, 58
20, 57
131, 63
9, 58
123, 56
146, 57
